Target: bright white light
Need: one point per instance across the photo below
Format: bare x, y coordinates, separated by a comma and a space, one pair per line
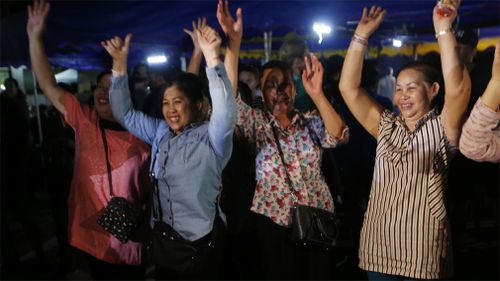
321, 29
397, 43
157, 59
2, 87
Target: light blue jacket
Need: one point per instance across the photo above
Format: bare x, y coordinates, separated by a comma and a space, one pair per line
187, 166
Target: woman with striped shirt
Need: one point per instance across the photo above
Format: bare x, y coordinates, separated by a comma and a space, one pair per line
405, 230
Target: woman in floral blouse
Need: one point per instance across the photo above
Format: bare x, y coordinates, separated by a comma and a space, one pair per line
302, 139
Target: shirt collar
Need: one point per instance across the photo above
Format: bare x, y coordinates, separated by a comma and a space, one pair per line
429, 115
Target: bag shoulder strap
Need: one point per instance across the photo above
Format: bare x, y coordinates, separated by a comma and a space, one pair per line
108, 165
282, 157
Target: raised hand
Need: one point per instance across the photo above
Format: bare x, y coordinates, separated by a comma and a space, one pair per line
36, 18
118, 49
210, 42
444, 14
312, 76
199, 25
232, 29
370, 21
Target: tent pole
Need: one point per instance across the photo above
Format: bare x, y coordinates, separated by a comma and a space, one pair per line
266, 56
37, 109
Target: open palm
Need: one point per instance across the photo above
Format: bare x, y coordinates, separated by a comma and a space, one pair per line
233, 29
209, 41
370, 21
312, 77
118, 48
196, 26
36, 18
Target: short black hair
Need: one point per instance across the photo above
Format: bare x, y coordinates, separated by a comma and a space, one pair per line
248, 68
281, 65
189, 84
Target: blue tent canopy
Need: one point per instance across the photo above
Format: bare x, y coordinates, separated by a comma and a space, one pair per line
76, 28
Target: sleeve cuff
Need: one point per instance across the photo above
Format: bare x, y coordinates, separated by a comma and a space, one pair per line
217, 71
344, 136
118, 82
486, 111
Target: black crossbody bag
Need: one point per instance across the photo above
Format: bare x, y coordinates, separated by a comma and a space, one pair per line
166, 248
310, 226
120, 217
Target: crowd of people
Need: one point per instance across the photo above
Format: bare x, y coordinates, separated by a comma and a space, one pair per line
217, 158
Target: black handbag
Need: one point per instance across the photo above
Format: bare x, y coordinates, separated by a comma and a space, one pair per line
313, 226
310, 226
166, 248
120, 217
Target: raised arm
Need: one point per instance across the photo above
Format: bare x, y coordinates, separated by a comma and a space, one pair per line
480, 140
364, 108
138, 123
223, 118
195, 61
234, 33
37, 16
491, 96
312, 78
457, 84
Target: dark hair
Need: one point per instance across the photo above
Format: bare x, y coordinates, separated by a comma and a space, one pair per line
20, 93
292, 48
245, 93
281, 65
102, 74
189, 84
430, 75
135, 72
249, 68
369, 76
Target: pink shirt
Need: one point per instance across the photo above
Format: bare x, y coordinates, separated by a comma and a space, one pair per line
89, 193
480, 140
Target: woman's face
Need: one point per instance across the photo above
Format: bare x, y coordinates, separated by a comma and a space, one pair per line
101, 98
178, 110
413, 95
278, 92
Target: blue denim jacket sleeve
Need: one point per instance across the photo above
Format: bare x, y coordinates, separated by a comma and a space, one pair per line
136, 122
224, 112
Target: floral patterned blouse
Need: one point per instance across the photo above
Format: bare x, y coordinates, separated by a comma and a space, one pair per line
300, 143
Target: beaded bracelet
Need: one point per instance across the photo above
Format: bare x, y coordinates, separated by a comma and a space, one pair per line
360, 39
443, 32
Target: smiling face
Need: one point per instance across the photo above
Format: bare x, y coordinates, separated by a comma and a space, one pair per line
101, 98
413, 95
178, 110
278, 92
